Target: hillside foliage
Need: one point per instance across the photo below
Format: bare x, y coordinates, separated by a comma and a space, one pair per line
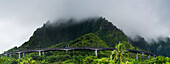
85, 57
160, 47
91, 32
58, 33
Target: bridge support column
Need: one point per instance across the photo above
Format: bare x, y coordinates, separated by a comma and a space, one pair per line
66, 51
136, 56
154, 56
19, 55
39, 53
10, 54
5, 54
23, 54
142, 55
43, 52
148, 56
96, 53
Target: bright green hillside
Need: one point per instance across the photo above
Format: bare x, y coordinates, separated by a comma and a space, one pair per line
87, 40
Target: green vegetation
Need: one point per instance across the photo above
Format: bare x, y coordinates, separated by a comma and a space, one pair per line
91, 32
60, 33
119, 56
160, 47
88, 40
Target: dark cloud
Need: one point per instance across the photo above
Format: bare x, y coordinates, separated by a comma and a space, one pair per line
20, 18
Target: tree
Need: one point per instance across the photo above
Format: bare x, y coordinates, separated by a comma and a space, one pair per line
27, 61
119, 54
2, 60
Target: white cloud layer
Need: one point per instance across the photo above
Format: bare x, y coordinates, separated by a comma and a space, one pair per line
20, 18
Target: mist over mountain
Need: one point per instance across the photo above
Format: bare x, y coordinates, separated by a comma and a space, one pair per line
159, 47
147, 18
84, 31
89, 32
51, 34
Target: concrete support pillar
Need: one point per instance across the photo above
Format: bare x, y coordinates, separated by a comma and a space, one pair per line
23, 54
154, 56
142, 55
39, 53
10, 54
19, 55
66, 50
136, 56
6, 54
148, 56
43, 52
96, 53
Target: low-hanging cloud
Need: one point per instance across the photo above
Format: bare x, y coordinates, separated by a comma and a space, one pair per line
20, 18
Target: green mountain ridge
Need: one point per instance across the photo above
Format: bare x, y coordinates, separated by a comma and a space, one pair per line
73, 33
90, 32
58, 33
160, 47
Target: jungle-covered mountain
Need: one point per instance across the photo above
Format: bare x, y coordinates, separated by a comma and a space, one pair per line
95, 31
160, 47
89, 32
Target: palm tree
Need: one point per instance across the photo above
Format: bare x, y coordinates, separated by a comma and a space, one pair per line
119, 54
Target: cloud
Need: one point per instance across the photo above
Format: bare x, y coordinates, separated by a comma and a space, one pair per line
141, 17
20, 18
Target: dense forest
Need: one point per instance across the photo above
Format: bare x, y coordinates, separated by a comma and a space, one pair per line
59, 32
160, 47
90, 32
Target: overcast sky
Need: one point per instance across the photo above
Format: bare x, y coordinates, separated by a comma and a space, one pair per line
20, 18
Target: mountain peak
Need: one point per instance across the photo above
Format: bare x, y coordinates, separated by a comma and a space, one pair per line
58, 32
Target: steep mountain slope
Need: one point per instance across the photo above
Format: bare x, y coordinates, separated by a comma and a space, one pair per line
87, 40
58, 32
160, 47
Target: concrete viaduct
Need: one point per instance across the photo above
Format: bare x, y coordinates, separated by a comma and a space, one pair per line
41, 51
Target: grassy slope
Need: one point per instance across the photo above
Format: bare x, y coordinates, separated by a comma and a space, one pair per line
88, 40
